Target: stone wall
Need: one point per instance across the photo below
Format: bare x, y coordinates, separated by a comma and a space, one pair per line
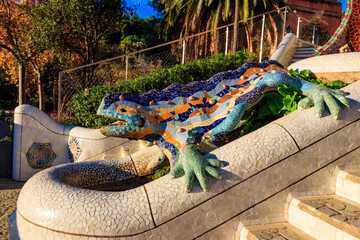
40, 142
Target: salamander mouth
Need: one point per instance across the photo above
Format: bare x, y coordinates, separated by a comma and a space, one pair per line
141, 122
120, 122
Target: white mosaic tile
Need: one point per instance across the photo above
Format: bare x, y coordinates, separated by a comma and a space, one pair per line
257, 166
63, 207
319, 183
147, 159
341, 62
167, 196
30, 121
29, 137
317, 128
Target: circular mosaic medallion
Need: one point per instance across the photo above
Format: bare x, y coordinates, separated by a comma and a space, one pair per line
40, 155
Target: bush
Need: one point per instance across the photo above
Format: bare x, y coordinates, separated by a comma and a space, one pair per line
275, 105
161, 172
83, 106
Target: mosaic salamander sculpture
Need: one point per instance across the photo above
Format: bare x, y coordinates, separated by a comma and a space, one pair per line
180, 116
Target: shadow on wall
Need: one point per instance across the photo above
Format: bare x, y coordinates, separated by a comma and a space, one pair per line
6, 153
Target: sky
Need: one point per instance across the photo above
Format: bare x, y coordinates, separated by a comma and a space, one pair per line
145, 11
142, 8
343, 4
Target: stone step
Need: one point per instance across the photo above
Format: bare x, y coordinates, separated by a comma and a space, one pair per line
326, 217
278, 231
294, 60
305, 49
302, 56
348, 184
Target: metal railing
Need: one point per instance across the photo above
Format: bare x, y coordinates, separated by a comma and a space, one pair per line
260, 34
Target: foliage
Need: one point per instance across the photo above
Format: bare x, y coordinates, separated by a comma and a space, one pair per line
85, 104
193, 16
20, 45
77, 26
143, 28
271, 107
10, 122
132, 33
310, 77
275, 105
161, 172
131, 43
157, 6
13, 27
45, 36
307, 33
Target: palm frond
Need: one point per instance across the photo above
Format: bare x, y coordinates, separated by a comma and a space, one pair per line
244, 10
209, 2
199, 7
226, 10
215, 19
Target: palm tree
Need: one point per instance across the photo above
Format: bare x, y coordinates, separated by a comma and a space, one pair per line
187, 13
187, 17
194, 15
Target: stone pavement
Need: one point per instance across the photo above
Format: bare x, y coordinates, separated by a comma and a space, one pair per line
9, 192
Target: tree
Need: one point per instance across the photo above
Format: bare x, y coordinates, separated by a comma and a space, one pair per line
131, 43
77, 26
143, 29
75, 29
191, 12
12, 24
194, 16
15, 38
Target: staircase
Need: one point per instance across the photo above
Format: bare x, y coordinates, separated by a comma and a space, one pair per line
302, 53
333, 217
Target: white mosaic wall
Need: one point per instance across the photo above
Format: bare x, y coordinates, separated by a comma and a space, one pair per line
285, 51
33, 126
339, 63
296, 154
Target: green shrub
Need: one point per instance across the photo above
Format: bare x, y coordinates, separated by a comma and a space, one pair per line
310, 77
275, 105
161, 172
83, 106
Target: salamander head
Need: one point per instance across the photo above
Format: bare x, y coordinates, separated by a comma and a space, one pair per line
130, 122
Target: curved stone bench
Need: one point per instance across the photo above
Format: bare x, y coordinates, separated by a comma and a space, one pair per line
52, 204
332, 67
34, 129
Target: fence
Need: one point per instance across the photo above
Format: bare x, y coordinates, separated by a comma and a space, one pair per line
6, 125
6, 146
259, 34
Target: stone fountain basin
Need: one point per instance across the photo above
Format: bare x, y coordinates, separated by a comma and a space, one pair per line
53, 204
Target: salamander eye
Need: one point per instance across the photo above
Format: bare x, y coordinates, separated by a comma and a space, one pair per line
122, 110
